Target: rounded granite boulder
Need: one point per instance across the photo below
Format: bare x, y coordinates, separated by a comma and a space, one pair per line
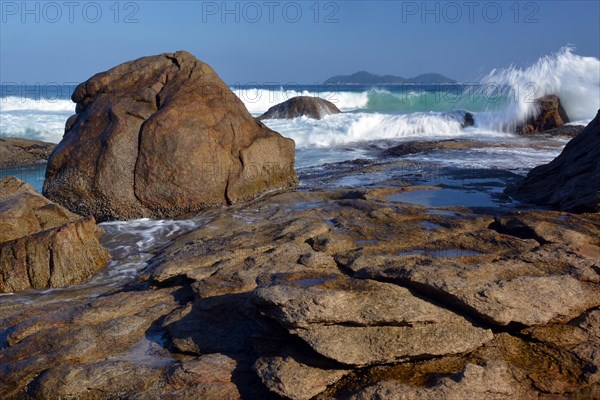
301, 106
162, 136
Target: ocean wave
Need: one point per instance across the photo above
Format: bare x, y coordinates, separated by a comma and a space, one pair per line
46, 127
500, 101
13, 103
347, 128
575, 79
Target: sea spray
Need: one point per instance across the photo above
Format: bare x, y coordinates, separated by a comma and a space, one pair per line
575, 79
360, 127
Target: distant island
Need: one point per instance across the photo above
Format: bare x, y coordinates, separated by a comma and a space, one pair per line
366, 78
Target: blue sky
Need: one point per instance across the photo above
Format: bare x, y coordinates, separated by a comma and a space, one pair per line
291, 41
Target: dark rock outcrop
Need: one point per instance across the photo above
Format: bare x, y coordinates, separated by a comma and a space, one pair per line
16, 152
301, 106
469, 120
417, 146
161, 136
565, 130
570, 182
550, 114
41, 243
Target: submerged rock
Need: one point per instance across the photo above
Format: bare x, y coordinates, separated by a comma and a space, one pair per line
416, 146
549, 114
41, 243
571, 181
301, 106
15, 152
161, 136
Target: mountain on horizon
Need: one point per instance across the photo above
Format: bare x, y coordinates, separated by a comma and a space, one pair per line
367, 78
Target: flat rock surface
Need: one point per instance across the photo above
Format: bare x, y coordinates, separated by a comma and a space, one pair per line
361, 322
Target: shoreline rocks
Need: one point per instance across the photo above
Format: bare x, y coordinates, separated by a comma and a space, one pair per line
18, 152
162, 136
42, 244
326, 294
331, 294
570, 182
301, 106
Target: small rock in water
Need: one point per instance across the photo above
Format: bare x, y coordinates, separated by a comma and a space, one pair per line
301, 106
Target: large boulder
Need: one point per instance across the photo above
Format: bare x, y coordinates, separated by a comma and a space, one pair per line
301, 106
570, 182
16, 152
161, 136
549, 114
41, 243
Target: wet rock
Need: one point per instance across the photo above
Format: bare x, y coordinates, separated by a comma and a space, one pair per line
570, 182
549, 114
95, 381
161, 136
539, 366
292, 379
283, 297
301, 106
489, 382
360, 322
41, 243
76, 333
226, 257
580, 337
15, 152
416, 147
565, 130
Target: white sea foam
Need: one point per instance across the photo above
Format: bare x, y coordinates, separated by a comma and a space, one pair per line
14, 103
575, 79
359, 127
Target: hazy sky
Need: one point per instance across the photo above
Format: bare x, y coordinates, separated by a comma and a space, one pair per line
290, 41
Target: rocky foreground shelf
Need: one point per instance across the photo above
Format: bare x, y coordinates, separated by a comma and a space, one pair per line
332, 295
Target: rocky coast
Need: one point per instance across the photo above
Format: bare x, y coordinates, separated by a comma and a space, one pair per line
373, 279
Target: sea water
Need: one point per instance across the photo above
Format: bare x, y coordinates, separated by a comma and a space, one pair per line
371, 114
